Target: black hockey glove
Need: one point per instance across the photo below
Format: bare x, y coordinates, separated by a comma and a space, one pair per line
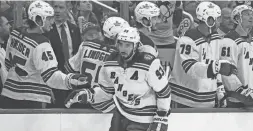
160, 122
79, 96
223, 67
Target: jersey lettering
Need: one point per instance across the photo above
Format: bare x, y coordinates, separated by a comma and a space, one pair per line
204, 54
134, 76
95, 54
247, 55
120, 87
208, 61
20, 47
124, 93
113, 75
116, 80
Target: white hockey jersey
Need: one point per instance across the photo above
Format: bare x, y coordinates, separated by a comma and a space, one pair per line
191, 83
139, 90
238, 50
89, 60
32, 67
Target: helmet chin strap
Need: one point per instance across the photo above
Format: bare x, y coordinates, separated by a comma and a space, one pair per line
240, 24
149, 27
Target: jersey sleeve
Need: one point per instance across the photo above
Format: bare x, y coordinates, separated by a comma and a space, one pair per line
189, 58
103, 96
45, 61
230, 51
74, 63
158, 80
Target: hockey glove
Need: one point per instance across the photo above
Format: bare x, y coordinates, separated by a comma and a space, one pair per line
79, 96
243, 94
77, 81
223, 67
221, 96
160, 122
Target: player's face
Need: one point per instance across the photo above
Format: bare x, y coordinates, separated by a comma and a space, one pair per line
85, 5
4, 27
226, 19
152, 22
48, 24
213, 23
247, 19
91, 35
125, 48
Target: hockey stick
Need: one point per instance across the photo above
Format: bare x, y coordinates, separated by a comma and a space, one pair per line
247, 101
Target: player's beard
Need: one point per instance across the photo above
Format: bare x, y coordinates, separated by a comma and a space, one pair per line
127, 57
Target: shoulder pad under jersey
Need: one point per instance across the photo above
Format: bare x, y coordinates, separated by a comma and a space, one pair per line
194, 34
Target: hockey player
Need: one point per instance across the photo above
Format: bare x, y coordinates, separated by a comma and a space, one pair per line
193, 78
157, 24
138, 84
113, 25
90, 57
32, 64
91, 54
237, 47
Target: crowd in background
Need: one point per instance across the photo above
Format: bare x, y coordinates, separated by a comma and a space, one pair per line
74, 14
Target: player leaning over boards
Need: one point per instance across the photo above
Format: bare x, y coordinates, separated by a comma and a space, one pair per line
238, 48
92, 53
137, 83
193, 79
32, 64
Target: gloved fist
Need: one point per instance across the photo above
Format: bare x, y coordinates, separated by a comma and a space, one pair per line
160, 122
79, 96
224, 67
77, 81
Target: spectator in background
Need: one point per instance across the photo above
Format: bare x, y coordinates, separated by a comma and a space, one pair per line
226, 22
91, 32
190, 7
157, 25
85, 11
4, 35
5, 31
231, 4
221, 4
65, 39
7, 10
70, 15
85, 14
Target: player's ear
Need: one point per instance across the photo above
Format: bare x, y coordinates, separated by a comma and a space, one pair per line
237, 18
